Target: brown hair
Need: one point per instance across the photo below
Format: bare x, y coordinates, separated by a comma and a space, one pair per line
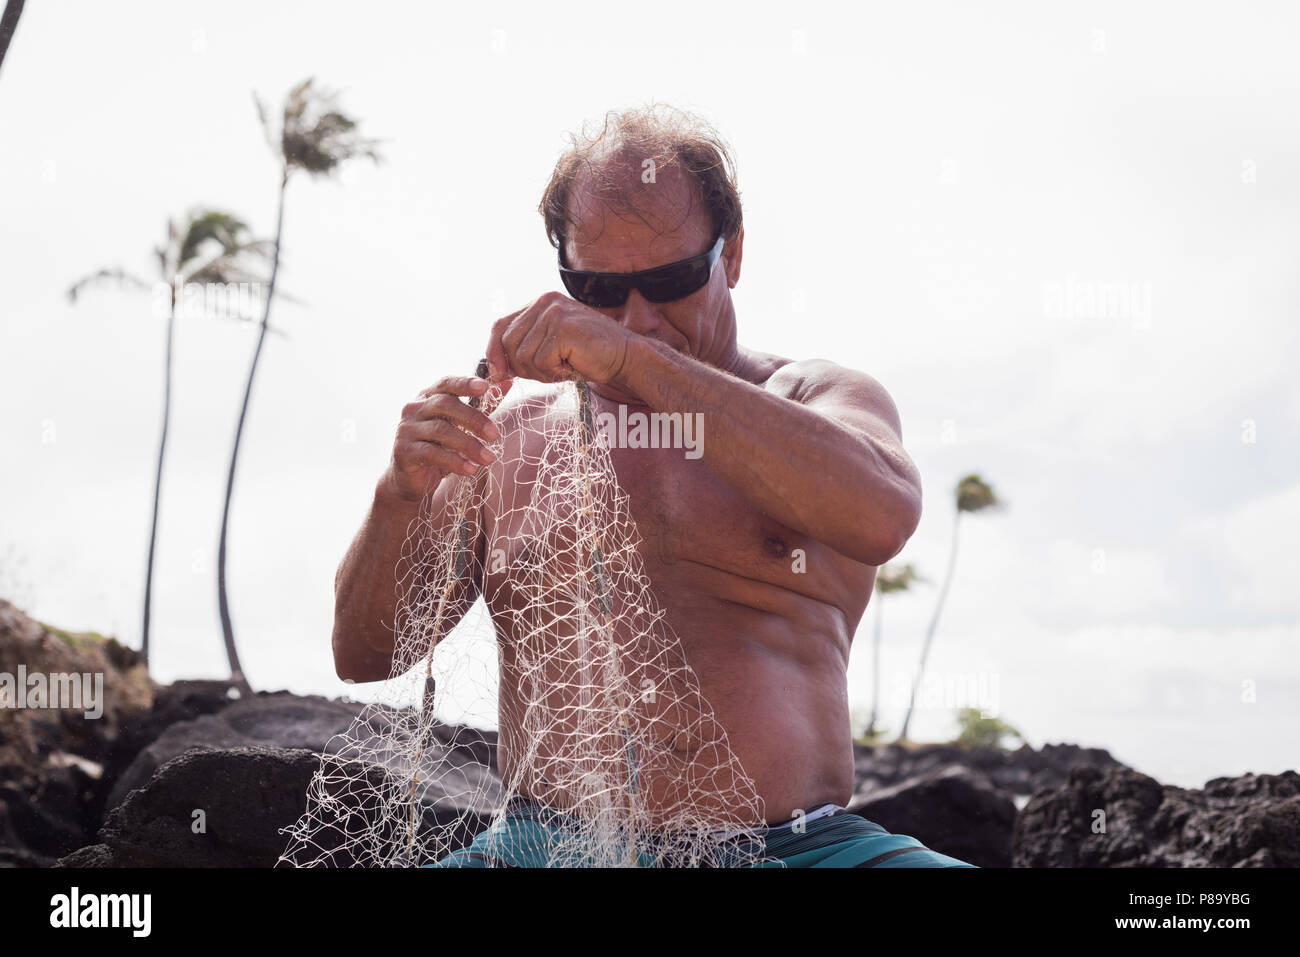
660, 133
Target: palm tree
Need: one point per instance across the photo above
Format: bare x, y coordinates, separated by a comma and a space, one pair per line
8, 24
972, 495
211, 247
317, 138
887, 582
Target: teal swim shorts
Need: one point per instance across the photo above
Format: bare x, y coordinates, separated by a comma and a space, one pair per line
531, 835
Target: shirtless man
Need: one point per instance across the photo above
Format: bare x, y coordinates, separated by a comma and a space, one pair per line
797, 455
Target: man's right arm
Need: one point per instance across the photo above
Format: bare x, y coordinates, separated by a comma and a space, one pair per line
439, 436
365, 593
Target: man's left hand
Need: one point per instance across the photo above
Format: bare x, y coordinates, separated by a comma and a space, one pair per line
554, 338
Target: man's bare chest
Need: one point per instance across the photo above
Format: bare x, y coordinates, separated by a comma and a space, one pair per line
684, 512
679, 512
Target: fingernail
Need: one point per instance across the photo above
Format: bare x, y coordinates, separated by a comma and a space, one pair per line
486, 455
492, 432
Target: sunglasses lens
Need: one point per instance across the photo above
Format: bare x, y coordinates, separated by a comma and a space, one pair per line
665, 284
593, 290
676, 283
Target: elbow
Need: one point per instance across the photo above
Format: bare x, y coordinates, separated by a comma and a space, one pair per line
338, 644
876, 549
353, 671
909, 516
356, 661
343, 670
344, 666
882, 535
887, 551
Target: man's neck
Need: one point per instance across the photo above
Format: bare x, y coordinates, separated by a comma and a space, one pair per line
726, 353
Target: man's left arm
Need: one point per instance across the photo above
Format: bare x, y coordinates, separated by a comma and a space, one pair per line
818, 449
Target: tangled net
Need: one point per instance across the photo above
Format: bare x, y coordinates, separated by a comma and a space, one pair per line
601, 719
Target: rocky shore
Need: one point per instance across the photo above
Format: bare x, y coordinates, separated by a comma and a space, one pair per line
119, 790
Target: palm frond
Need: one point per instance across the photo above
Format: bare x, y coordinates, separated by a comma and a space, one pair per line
889, 580
316, 136
974, 495
264, 118
243, 258
223, 272
116, 275
209, 226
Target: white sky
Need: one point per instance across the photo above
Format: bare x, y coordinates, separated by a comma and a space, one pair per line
919, 185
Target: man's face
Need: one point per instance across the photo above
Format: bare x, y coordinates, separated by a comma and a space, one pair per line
667, 226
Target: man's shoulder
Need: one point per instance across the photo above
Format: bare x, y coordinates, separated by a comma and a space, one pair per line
803, 379
759, 367
807, 379
830, 387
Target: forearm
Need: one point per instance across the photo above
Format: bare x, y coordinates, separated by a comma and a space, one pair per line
365, 599
806, 470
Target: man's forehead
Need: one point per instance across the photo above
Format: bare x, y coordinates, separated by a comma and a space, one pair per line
625, 227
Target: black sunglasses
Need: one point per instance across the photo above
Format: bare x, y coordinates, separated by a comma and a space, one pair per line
605, 290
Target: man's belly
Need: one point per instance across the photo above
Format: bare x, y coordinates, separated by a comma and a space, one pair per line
745, 716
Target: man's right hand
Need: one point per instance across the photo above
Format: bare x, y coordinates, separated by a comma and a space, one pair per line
440, 435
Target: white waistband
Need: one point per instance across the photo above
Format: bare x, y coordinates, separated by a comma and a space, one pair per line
822, 810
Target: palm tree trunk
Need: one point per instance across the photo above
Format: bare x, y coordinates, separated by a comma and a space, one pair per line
227, 629
8, 24
934, 623
157, 482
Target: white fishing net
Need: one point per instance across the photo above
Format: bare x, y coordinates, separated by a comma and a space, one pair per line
603, 729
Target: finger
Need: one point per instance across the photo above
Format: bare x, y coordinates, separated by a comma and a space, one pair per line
498, 361
524, 345
545, 356
441, 432
466, 385
553, 351
424, 455
444, 406
511, 337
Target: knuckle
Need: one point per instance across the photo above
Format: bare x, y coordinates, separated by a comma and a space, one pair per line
426, 455
441, 431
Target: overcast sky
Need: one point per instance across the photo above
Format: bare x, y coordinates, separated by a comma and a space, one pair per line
1065, 241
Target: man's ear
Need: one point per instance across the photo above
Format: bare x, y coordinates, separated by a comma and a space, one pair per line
732, 252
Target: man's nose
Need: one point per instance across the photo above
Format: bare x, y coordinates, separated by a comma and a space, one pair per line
638, 314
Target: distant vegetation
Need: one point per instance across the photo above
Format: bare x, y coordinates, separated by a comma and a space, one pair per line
213, 247
889, 580
972, 494
314, 137
979, 731
206, 246
76, 639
